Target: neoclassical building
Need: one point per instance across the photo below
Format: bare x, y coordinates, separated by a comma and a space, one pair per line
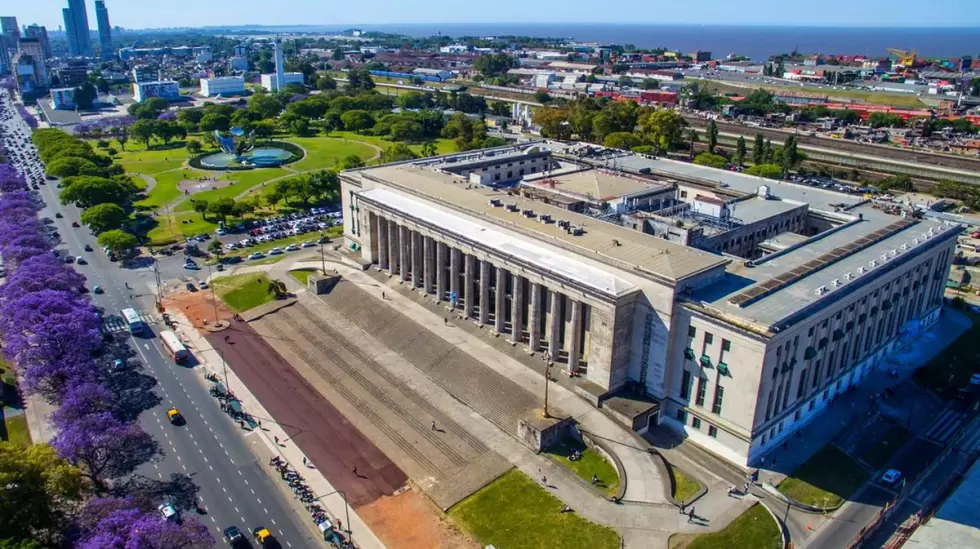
738, 306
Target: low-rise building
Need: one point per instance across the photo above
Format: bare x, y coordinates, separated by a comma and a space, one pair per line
167, 89
269, 80
63, 99
225, 85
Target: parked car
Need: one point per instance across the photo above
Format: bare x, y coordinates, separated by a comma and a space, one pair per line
168, 510
275, 251
891, 477
256, 255
292, 248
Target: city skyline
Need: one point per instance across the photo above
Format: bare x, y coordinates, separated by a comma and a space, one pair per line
189, 13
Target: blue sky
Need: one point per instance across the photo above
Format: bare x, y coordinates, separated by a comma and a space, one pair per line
192, 13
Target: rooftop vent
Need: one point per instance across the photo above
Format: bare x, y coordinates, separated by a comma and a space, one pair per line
861, 270
578, 231
873, 263
884, 258
835, 283
915, 241
822, 290
513, 208
544, 218
563, 224
528, 213
496, 202
616, 242
848, 276
905, 247
893, 253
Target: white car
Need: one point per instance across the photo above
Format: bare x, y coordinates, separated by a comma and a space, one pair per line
292, 248
202, 284
221, 232
891, 476
80, 260
256, 255
275, 251
168, 511
308, 244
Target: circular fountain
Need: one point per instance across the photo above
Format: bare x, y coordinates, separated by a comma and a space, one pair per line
238, 151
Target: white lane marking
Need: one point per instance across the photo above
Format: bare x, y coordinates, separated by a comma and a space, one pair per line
212, 520
240, 474
237, 510
205, 459
160, 475
155, 466
184, 467
223, 489
273, 520
289, 544
264, 510
253, 491
259, 501
246, 480
147, 346
209, 467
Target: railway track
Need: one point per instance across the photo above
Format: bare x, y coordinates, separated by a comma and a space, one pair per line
891, 153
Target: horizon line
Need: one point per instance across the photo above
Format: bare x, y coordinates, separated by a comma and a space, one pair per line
582, 23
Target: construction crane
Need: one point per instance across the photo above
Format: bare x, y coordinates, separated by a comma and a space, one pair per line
906, 58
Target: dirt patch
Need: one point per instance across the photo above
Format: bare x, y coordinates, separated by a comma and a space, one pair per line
191, 186
410, 521
197, 306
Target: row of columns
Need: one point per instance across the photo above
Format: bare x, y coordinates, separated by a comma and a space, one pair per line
467, 283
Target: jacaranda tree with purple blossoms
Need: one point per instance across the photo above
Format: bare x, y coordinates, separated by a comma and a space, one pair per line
117, 523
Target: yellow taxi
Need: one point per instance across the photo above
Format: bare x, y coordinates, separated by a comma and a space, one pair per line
174, 416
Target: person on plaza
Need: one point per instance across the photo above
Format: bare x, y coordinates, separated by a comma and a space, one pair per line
433, 425
690, 515
595, 479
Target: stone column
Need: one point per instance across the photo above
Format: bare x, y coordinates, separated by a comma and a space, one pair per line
404, 247
554, 317
382, 242
416, 260
517, 310
468, 292
534, 318
454, 269
440, 266
575, 338
484, 292
427, 264
393, 247
501, 296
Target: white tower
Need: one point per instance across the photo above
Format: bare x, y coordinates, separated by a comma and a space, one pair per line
280, 64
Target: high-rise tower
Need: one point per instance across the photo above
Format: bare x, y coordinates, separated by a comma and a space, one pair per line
280, 64
76, 27
105, 30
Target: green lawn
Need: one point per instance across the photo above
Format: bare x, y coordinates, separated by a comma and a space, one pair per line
513, 512
685, 487
243, 292
324, 152
753, 529
908, 101
302, 275
181, 225
240, 182
16, 431
166, 191
826, 479
951, 369
878, 455
592, 463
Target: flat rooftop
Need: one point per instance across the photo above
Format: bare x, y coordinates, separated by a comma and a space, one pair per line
957, 523
591, 184
628, 249
755, 209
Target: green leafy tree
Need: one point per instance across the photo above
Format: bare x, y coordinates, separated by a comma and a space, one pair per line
663, 128
769, 171
85, 96
429, 149
353, 161
495, 64
758, 149
768, 153
104, 217
650, 84
406, 130
359, 80
118, 241
739, 158
144, 130
212, 121
72, 166
712, 132
264, 106
277, 288
397, 153
621, 140
326, 82
711, 160
357, 120
214, 247
222, 207
193, 146
790, 156
86, 192
38, 492
201, 207
264, 129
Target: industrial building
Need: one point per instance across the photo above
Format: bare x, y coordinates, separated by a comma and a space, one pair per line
225, 85
167, 89
770, 299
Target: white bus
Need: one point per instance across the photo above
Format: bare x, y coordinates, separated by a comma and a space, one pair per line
174, 347
133, 320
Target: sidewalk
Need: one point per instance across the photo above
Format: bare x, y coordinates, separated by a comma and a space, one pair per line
335, 505
640, 523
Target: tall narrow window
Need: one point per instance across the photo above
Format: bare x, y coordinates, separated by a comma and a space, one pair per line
719, 396
702, 389
686, 385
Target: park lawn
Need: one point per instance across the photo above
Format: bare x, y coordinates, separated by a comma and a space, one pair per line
753, 529
950, 370
16, 430
243, 292
443, 145
513, 512
166, 191
181, 225
828, 478
242, 182
324, 152
878, 455
592, 463
685, 487
302, 275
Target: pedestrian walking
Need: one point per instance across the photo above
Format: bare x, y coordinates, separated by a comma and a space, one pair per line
433, 425
383, 296
277, 440
544, 480
354, 470
683, 506
595, 479
690, 515
304, 460
445, 320
745, 489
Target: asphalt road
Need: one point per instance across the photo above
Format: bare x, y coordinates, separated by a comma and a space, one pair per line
235, 489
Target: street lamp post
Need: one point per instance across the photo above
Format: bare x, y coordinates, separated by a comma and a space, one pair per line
346, 510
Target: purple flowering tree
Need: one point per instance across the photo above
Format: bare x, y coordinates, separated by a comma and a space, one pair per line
117, 523
27, 116
103, 447
39, 273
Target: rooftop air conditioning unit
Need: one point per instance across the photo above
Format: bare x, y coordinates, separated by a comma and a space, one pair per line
893, 253
873, 263
544, 218
848, 276
915, 241
835, 283
905, 247
496, 202
512, 208
884, 257
822, 290
861, 270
